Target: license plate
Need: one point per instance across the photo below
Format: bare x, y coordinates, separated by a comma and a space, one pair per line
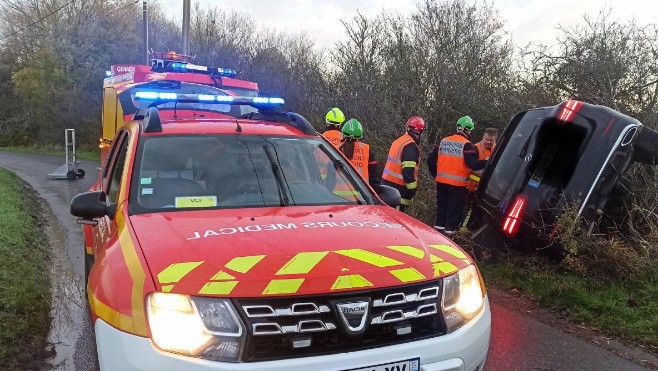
406, 365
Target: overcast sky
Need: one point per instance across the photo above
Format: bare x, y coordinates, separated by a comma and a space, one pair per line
526, 20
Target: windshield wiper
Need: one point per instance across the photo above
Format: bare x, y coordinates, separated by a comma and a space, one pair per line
278, 175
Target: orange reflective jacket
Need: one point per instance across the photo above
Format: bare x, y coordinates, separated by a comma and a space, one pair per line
393, 168
474, 178
333, 136
451, 167
361, 159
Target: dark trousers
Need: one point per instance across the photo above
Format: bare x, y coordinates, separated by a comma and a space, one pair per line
450, 202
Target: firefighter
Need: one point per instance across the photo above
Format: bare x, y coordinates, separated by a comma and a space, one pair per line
360, 154
334, 119
401, 170
451, 163
484, 147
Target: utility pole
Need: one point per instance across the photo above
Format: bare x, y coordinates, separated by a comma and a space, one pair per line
145, 31
186, 26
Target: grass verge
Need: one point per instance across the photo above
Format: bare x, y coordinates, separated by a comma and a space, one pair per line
627, 309
81, 155
24, 273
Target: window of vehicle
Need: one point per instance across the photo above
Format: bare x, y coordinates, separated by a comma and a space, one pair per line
233, 171
117, 171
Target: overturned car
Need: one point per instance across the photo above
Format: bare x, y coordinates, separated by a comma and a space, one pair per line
548, 158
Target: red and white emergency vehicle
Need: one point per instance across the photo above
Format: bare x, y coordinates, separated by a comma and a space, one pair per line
214, 243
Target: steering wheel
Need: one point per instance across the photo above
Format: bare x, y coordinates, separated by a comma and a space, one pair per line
248, 186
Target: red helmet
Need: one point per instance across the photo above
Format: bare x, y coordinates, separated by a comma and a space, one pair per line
416, 123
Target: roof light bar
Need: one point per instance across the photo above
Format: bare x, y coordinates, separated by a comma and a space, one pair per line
209, 98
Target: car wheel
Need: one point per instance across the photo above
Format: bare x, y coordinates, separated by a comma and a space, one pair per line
644, 147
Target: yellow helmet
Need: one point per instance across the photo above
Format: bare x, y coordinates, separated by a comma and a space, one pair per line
335, 116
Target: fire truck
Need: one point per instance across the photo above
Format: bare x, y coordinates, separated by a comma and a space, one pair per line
168, 71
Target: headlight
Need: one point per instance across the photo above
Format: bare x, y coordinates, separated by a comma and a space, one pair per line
463, 297
200, 327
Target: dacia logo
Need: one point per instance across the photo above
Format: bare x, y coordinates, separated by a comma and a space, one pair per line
354, 315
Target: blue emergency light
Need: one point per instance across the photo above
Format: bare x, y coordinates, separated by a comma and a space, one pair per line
209, 98
189, 67
108, 73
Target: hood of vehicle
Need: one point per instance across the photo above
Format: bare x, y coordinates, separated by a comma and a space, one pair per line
291, 250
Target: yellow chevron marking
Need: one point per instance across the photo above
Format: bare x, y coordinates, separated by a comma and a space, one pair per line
222, 276
243, 264
167, 288
351, 281
409, 250
176, 272
218, 288
407, 274
450, 250
302, 263
289, 286
377, 260
445, 268
434, 259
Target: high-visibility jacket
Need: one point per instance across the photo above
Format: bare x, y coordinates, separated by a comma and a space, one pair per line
359, 161
394, 165
450, 166
474, 178
333, 136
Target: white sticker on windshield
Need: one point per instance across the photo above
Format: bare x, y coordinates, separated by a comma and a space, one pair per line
145, 181
147, 191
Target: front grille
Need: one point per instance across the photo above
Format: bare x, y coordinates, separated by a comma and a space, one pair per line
280, 328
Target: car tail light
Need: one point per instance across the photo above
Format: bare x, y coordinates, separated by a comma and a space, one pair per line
512, 221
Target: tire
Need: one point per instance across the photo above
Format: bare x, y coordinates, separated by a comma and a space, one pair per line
81, 173
70, 175
645, 150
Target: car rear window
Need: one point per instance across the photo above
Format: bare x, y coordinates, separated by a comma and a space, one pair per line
233, 171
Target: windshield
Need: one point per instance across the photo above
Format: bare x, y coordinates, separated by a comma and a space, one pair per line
235, 171
130, 105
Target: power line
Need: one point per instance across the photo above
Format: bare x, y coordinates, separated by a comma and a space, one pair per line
37, 21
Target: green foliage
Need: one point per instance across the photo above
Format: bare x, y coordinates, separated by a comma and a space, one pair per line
621, 307
24, 273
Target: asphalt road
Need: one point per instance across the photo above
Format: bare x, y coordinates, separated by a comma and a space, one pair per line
518, 341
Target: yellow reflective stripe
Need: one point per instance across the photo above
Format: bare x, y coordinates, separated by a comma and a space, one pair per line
412, 185
450, 250
408, 164
409, 250
444, 268
302, 263
434, 259
407, 274
109, 315
243, 264
218, 288
137, 275
222, 276
176, 272
474, 177
351, 281
289, 286
167, 288
369, 257
346, 193
405, 201
89, 250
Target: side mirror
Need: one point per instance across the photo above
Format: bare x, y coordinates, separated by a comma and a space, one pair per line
91, 205
389, 195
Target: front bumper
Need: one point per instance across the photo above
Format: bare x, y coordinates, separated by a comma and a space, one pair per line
464, 349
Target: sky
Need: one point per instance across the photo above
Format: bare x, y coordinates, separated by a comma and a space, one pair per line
525, 20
